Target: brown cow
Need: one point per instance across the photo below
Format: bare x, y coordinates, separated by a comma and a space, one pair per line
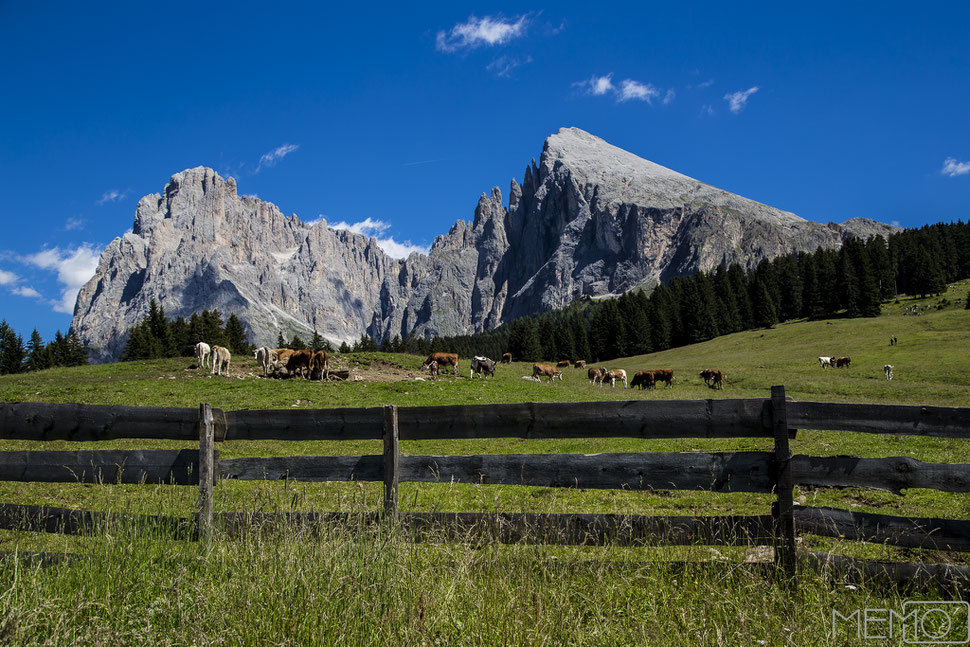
278, 357
664, 375
320, 366
842, 362
713, 378
538, 370
299, 362
580, 364
595, 375
643, 379
443, 359
506, 358
563, 363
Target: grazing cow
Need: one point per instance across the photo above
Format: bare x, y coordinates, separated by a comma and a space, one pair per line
482, 365
893, 340
432, 369
563, 363
664, 375
888, 370
580, 364
506, 358
614, 375
825, 362
713, 378
643, 379
595, 375
202, 352
539, 370
262, 357
299, 363
842, 362
220, 361
443, 359
320, 366
278, 358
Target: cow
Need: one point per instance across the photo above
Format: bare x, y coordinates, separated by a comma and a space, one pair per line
299, 362
262, 357
595, 375
433, 369
893, 340
563, 363
713, 378
539, 370
506, 358
202, 352
580, 364
220, 361
643, 379
664, 375
320, 366
443, 359
842, 362
481, 365
613, 375
278, 358
888, 370
824, 362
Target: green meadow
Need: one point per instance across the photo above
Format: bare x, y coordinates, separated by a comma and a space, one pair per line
366, 585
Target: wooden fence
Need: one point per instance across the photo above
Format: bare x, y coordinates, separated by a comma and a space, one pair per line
774, 471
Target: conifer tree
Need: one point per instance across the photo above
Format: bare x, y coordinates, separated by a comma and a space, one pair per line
236, 339
765, 315
280, 342
524, 341
316, 342
296, 343
547, 340
77, 355
13, 354
344, 348
38, 354
565, 342
580, 337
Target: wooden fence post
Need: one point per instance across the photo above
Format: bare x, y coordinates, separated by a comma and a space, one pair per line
391, 461
206, 471
785, 507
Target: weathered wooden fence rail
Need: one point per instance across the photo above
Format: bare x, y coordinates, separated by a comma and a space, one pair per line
770, 472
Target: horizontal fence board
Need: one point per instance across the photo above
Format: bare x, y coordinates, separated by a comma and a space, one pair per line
917, 576
894, 473
529, 528
176, 466
929, 533
946, 422
305, 424
723, 472
303, 468
91, 422
36, 518
635, 418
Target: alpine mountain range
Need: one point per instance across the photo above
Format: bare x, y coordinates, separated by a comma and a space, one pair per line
589, 219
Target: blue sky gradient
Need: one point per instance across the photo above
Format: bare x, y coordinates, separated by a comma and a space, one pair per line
404, 115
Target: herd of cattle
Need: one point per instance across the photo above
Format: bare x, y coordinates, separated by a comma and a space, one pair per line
275, 362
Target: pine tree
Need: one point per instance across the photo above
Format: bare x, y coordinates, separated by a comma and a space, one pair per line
212, 331
280, 342
158, 326
58, 349
524, 341
182, 338
236, 336
580, 337
565, 342
344, 348
927, 277
39, 355
13, 354
77, 355
765, 315
296, 343
547, 340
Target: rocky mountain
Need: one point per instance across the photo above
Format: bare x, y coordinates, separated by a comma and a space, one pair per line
588, 219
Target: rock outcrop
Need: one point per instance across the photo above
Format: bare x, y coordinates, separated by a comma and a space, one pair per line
588, 219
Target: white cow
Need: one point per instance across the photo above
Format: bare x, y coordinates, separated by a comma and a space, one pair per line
220, 361
825, 362
888, 369
482, 366
262, 355
202, 351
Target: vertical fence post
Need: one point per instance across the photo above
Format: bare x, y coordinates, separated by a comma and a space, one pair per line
206, 471
391, 461
785, 506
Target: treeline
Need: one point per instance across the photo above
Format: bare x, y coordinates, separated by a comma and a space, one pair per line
156, 336
35, 355
852, 282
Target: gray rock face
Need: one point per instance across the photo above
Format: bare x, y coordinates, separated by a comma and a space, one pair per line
589, 219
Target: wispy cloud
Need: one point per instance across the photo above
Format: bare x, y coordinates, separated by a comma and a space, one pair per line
8, 278
479, 32
669, 97
597, 85
74, 268
275, 155
375, 229
26, 291
73, 223
953, 168
738, 100
114, 195
706, 84
707, 110
634, 90
627, 90
503, 65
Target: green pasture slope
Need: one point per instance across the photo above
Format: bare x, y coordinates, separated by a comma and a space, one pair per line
352, 586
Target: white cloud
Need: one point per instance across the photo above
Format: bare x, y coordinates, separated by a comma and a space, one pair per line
706, 84
27, 292
114, 195
477, 32
275, 155
738, 100
669, 97
374, 229
8, 278
598, 85
74, 268
73, 223
503, 65
630, 89
953, 168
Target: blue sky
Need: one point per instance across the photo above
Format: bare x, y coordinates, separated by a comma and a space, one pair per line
399, 117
